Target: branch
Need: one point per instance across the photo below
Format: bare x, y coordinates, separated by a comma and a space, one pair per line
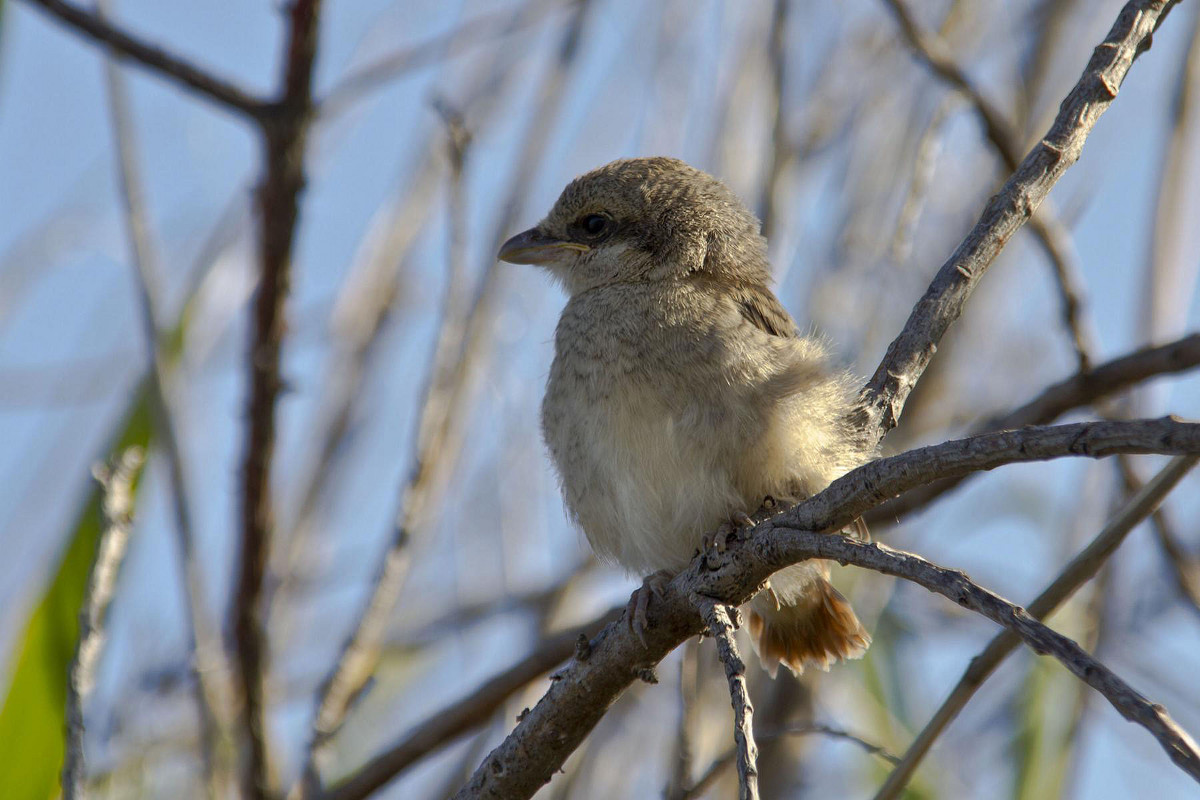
200, 632
705, 781
572, 706
1042, 640
1081, 569
446, 725
93, 26
1178, 561
721, 626
278, 199
446, 377
118, 481
460, 339
910, 353
1079, 390
858, 491
1005, 140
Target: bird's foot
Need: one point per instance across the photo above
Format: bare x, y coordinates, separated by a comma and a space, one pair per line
738, 523
858, 530
639, 601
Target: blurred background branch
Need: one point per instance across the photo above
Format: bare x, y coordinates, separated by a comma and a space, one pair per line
131, 269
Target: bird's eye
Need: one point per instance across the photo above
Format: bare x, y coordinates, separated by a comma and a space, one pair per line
594, 224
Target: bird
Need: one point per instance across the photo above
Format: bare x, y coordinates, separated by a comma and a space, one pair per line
683, 397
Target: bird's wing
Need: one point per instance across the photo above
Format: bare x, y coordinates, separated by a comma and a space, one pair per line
759, 306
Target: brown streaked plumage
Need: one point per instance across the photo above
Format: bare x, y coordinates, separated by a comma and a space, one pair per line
682, 393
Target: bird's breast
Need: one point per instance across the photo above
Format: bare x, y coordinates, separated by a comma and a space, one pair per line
644, 446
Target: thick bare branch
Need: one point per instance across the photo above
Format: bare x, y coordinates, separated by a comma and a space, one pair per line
1081, 569
157, 60
573, 704
850, 496
285, 139
1079, 390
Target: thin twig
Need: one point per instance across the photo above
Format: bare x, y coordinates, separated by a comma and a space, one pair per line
1079, 390
1049, 19
1051, 233
1182, 565
1171, 270
681, 762
202, 642
722, 762
1080, 570
359, 653
928, 149
720, 624
173, 68
459, 341
547, 735
447, 724
285, 141
955, 585
495, 25
118, 481
360, 319
910, 353
781, 146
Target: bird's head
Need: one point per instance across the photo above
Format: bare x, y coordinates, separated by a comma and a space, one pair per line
640, 220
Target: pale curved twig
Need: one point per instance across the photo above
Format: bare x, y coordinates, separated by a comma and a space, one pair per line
356, 661
202, 641
499, 24
118, 482
459, 342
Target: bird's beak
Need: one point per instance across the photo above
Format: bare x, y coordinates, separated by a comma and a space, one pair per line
534, 247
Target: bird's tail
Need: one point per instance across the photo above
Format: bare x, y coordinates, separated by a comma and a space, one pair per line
811, 625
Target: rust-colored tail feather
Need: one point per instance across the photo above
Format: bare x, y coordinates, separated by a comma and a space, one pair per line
818, 631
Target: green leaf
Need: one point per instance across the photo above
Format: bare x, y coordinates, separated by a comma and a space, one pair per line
31, 721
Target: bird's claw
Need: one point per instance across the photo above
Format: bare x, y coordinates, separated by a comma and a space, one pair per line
738, 522
639, 601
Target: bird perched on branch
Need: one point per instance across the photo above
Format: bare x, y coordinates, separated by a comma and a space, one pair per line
682, 395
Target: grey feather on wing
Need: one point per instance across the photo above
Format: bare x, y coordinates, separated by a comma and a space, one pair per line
759, 306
